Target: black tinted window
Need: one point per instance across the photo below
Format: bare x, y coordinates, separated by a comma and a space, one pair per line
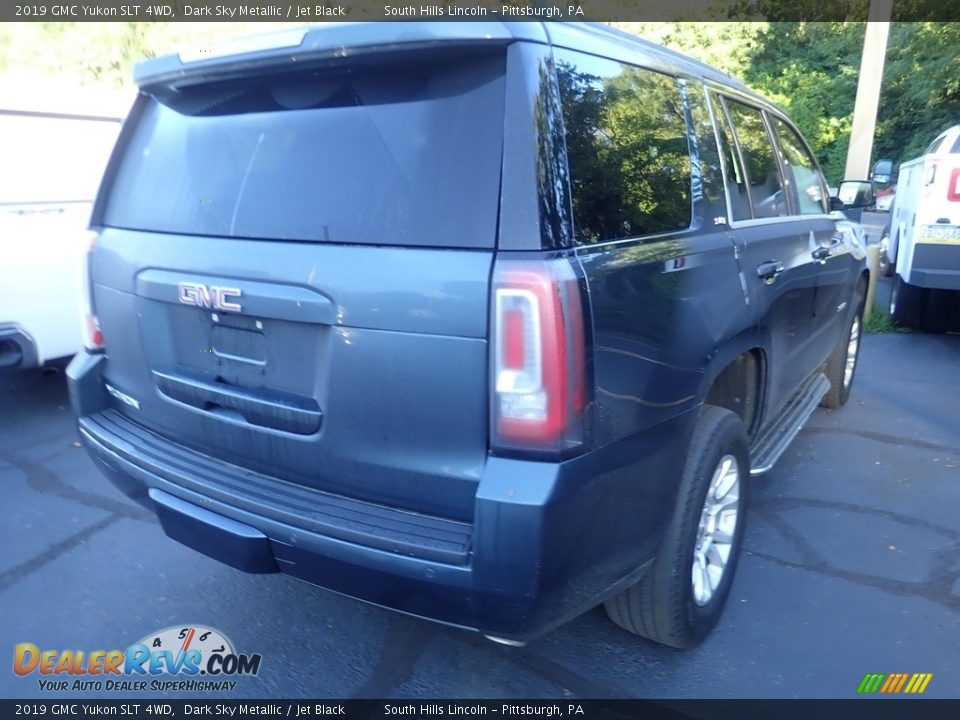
402, 156
708, 163
627, 148
803, 178
736, 180
763, 172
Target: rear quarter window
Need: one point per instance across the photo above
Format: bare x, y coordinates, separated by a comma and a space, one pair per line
627, 148
407, 155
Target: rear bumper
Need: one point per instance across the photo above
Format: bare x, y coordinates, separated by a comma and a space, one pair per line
936, 265
548, 540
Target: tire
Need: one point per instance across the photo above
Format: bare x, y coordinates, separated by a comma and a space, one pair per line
887, 266
662, 606
906, 303
846, 352
941, 312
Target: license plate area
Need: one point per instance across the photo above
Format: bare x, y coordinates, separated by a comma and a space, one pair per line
940, 234
243, 342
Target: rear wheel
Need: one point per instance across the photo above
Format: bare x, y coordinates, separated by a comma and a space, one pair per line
906, 303
680, 599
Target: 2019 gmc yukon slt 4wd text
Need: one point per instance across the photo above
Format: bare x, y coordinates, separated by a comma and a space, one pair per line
486, 323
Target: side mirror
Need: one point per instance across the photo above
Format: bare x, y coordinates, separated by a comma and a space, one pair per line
882, 172
853, 194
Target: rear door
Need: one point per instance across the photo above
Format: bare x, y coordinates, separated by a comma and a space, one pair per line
776, 246
293, 274
835, 252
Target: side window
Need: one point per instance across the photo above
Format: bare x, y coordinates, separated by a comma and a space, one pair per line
735, 178
803, 178
627, 148
935, 145
763, 170
707, 173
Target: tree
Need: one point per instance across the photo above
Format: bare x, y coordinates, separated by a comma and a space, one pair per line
811, 70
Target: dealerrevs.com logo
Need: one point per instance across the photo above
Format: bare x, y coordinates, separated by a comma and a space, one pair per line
182, 658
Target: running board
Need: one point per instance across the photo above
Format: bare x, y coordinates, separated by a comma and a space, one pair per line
771, 443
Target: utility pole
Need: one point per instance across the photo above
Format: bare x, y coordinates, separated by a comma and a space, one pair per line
868, 90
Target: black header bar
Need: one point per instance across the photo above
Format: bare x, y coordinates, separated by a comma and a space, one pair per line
147, 709
308, 11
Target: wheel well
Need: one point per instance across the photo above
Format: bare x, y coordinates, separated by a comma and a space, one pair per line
739, 388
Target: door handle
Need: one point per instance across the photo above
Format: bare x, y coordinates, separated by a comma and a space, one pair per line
821, 253
768, 270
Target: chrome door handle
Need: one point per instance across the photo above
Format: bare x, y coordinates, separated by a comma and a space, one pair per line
822, 252
768, 270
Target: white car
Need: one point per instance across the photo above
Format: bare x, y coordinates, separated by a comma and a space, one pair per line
54, 147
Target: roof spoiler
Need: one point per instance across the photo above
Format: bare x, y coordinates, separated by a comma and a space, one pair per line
331, 42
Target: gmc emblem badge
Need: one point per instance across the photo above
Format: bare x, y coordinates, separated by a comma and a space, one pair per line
208, 296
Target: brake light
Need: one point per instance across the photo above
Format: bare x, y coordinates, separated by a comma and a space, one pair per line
92, 336
537, 356
953, 189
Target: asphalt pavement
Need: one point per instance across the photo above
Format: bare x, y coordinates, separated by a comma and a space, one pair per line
852, 566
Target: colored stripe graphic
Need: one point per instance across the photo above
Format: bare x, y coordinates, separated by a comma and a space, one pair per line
892, 680
903, 679
918, 683
871, 682
894, 683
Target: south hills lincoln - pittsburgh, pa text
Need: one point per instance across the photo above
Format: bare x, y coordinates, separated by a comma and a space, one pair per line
504, 11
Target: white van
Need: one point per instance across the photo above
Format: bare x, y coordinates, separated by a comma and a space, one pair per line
924, 239
54, 146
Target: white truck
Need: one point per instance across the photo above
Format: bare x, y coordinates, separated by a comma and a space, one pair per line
924, 238
54, 146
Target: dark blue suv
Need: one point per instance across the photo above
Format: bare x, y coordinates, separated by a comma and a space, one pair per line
486, 323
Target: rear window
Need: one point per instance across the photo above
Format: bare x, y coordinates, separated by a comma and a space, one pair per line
403, 156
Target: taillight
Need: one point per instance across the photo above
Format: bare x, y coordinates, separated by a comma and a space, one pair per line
92, 336
953, 189
537, 356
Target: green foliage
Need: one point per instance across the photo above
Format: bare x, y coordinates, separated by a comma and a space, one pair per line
811, 69
626, 139
880, 322
921, 88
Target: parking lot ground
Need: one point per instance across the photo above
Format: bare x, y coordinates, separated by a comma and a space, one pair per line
852, 566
